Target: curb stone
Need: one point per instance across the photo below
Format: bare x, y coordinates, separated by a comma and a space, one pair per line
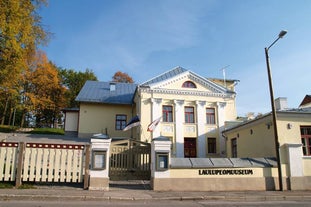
125, 195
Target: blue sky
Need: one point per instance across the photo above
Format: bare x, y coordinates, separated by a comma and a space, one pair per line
145, 38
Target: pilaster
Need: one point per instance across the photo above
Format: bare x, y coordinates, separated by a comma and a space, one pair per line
221, 116
156, 113
179, 120
201, 120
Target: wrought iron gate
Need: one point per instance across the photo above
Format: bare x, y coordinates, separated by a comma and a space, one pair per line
129, 160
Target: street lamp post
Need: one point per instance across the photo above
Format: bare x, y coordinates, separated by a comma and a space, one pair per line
276, 138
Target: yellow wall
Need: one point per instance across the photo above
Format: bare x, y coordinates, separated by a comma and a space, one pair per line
96, 118
292, 135
307, 166
258, 144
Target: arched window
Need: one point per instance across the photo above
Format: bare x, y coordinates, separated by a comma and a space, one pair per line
188, 84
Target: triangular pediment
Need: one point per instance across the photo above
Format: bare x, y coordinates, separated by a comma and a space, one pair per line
175, 78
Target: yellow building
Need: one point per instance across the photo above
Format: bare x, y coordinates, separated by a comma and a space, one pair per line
105, 107
192, 111
255, 138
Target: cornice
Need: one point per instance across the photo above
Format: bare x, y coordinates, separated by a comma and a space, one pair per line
186, 92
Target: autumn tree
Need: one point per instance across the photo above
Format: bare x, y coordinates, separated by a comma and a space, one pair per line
44, 93
74, 81
20, 34
122, 77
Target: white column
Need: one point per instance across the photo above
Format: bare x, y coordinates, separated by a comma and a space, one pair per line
156, 113
221, 116
294, 154
179, 127
201, 120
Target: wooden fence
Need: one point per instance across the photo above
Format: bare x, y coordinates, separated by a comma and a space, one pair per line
44, 162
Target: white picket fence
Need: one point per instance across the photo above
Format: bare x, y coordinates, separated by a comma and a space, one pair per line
8, 161
43, 162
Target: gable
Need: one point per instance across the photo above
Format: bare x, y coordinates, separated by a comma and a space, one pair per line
174, 79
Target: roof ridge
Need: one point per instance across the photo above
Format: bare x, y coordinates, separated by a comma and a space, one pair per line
152, 80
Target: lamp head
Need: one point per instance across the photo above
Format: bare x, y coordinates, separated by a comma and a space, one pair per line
282, 33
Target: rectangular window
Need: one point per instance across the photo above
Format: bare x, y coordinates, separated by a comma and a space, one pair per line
167, 113
306, 140
210, 115
120, 121
189, 114
234, 152
211, 145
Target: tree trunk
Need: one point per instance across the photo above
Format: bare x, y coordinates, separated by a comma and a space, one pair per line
10, 117
5, 110
23, 118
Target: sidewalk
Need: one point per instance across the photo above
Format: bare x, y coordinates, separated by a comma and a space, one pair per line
65, 194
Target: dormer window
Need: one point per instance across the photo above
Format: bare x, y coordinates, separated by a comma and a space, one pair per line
188, 84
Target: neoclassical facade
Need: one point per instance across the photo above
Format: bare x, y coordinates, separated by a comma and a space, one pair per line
192, 110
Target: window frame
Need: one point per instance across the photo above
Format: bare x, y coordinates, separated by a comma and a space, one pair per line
210, 116
305, 132
211, 145
120, 124
189, 84
234, 148
167, 115
189, 116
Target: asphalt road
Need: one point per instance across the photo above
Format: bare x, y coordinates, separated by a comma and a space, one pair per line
152, 203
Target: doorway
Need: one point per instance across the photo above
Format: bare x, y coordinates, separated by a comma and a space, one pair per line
190, 147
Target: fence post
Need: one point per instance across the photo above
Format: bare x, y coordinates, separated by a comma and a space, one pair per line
21, 150
87, 166
99, 172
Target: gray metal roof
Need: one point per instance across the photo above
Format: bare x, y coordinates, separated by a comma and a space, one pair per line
99, 92
165, 76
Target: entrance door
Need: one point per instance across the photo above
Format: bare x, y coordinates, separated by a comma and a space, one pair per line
190, 147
